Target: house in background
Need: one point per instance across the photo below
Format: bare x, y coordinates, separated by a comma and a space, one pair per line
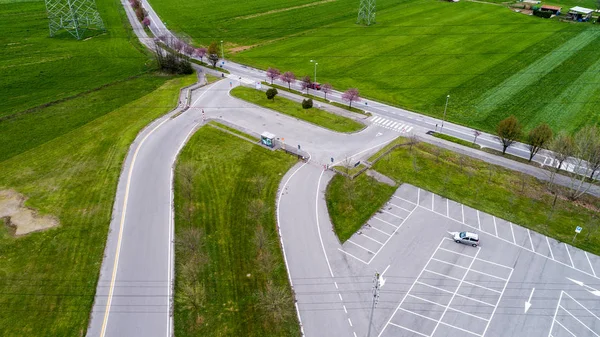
554, 9
580, 13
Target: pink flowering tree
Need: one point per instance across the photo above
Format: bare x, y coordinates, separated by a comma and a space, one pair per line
351, 95
326, 88
289, 78
146, 22
273, 73
201, 52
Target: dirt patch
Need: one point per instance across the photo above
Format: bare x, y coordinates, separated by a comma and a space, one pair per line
283, 9
241, 48
21, 219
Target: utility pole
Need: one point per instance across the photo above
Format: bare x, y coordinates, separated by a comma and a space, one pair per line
445, 108
315, 62
222, 51
376, 285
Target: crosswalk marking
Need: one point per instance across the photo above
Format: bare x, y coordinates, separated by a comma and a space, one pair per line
392, 125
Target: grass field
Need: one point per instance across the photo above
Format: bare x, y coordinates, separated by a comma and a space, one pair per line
36, 69
492, 62
352, 202
294, 109
225, 190
506, 194
48, 279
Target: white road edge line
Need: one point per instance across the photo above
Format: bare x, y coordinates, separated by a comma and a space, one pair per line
283, 245
530, 240
122, 226
513, 232
550, 248
495, 227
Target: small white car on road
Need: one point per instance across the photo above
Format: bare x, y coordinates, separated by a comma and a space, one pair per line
467, 238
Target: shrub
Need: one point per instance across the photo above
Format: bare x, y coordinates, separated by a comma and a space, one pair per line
271, 93
139, 12
543, 14
307, 103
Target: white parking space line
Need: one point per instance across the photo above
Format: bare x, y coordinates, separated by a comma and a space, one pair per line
434, 287
513, 233
498, 302
565, 328
469, 283
462, 209
570, 259
510, 242
486, 274
399, 207
379, 230
577, 319
428, 301
550, 248
407, 329
406, 295
416, 314
454, 295
495, 227
555, 312
370, 238
590, 262
385, 222
392, 214
418, 195
476, 300
397, 197
345, 252
468, 314
531, 241
448, 263
447, 209
457, 253
356, 244
494, 263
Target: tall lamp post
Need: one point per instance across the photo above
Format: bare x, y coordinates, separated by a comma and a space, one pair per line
445, 108
222, 51
315, 62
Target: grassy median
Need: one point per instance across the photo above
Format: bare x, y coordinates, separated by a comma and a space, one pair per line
294, 109
352, 202
230, 275
48, 279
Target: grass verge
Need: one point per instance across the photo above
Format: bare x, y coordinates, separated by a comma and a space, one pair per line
456, 140
294, 109
506, 194
52, 275
231, 280
317, 98
351, 202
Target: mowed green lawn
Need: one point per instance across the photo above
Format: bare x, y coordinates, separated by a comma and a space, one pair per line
36, 69
230, 274
491, 61
69, 170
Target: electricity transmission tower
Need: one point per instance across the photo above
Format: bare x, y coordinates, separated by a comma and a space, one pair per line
366, 12
74, 16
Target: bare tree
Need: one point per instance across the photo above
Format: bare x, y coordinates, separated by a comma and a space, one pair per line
191, 296
260, 181
306, 83
562, 147
351, 95
188, 50
273, 73
186, 177
538, 137
177, 45
586, 142
326, 88
436, 151
594, 163
276, 303
476, 134
508, 131
256, 209
289, 78
413, 140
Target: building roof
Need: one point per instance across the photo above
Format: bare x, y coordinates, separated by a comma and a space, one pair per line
268, 135
554, 8
581, 10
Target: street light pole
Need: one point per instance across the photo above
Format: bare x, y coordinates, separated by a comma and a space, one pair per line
222, 51
315, 62
445, 108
